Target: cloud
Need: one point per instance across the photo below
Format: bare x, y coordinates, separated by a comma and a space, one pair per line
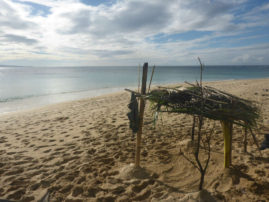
109, 53
36, 9
139, 15
18, 39
122, 18
96, 52
265, 7
14, 17
148, 17
130, 30
79, 20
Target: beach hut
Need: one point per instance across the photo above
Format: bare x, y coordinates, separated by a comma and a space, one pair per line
210, 103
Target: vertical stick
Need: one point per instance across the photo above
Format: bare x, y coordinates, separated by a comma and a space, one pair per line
255, 139
152, 73
227, 128
141, 115
138, 78
231, 141
201, 72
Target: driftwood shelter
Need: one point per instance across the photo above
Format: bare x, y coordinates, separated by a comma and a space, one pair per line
210, 103
217, 105
205, 101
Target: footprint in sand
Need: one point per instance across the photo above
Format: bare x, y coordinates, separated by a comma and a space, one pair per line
14, 171
78, 152
17, 194
78, 190
81, 180
66, 189
260, 173
47, 151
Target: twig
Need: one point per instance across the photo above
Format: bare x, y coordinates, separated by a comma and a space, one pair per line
192, 162
255, 140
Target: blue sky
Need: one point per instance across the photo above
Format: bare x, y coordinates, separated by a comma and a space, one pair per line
129, 32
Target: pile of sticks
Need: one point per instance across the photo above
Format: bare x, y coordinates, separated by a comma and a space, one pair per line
206, 101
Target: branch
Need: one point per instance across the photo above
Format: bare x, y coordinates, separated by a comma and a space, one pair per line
188, 159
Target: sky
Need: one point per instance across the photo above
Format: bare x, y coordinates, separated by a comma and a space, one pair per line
130, 32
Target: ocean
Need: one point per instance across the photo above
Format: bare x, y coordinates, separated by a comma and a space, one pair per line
30, 87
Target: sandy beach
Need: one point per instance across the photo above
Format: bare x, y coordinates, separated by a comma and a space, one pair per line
77, 151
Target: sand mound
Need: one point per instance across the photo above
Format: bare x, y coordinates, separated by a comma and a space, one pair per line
132, 172
201, 196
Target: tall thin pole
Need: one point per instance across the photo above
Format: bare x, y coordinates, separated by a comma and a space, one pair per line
201, 71
138, 78
152, 73
141, 115
227, 128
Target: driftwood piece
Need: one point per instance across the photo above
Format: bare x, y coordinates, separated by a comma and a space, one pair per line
141, 115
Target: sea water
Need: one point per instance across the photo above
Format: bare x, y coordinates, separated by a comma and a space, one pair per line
29, 87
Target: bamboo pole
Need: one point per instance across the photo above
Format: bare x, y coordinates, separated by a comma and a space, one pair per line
141, 115
227, 128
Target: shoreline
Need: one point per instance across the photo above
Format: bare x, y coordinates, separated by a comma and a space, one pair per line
34, 103
92, 95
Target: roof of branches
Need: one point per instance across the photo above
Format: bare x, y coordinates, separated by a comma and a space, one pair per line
206, 101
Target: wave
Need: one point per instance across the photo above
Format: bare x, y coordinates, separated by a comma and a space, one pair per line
10, 99
16, 98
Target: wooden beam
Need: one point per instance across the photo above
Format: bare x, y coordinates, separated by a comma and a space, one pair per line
141, 115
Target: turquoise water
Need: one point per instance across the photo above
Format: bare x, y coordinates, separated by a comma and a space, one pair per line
26, 87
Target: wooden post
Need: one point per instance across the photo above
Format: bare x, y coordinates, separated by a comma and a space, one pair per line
141, 115
227, 128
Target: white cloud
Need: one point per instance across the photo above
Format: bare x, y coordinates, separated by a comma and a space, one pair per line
115, 34
265, 7
14, 17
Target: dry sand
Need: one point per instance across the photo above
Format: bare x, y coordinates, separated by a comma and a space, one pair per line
81, 150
